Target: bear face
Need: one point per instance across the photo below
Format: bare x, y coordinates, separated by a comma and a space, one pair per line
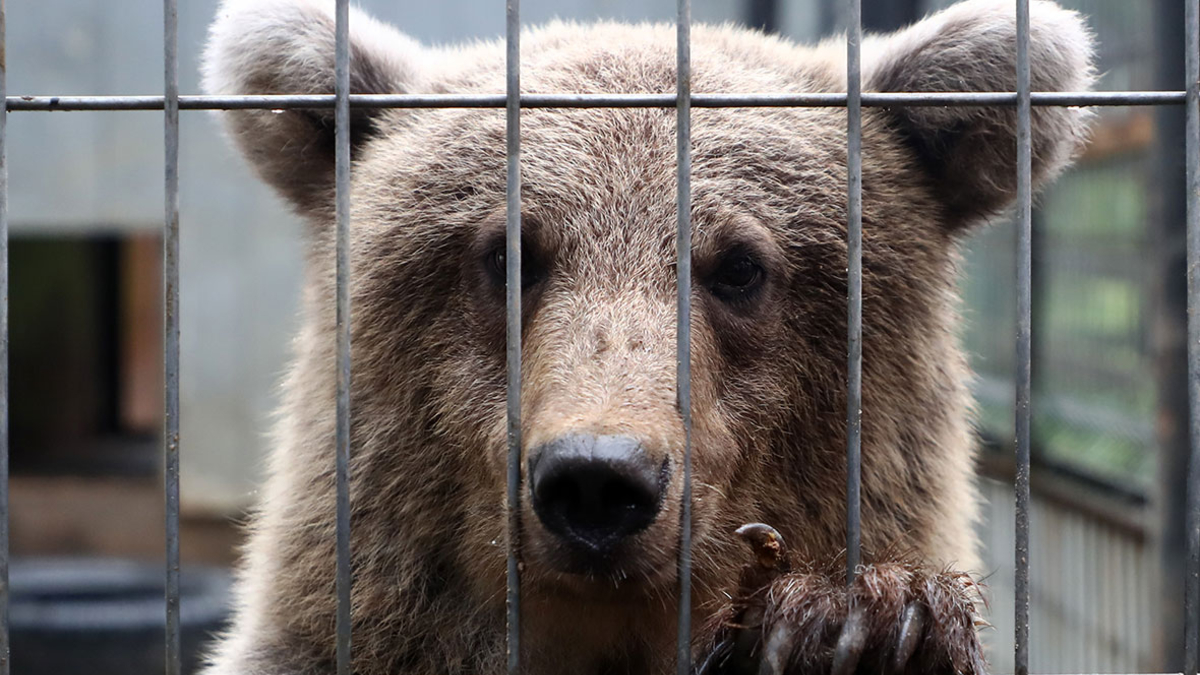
602, 436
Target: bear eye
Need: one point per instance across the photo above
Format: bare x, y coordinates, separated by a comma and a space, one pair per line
737, 278
497, 267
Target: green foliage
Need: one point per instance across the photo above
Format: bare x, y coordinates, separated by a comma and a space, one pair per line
1093, 386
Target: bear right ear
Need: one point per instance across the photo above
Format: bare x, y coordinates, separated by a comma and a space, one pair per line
287, 47
970, 152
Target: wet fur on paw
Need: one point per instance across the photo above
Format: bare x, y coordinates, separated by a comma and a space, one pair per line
796, 623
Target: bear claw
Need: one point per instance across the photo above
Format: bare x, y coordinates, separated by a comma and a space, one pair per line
895, 619
767, 544
912, 629
851, 643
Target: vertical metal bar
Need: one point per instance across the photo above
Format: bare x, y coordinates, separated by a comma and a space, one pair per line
512, 242
854, 287
342, 434
1024, 343
174, 661
1191, 601
1170, 346
683, 316
4, 650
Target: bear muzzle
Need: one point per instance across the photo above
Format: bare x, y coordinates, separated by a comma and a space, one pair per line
594, 492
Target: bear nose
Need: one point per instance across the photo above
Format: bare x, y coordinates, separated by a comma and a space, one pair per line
593, 491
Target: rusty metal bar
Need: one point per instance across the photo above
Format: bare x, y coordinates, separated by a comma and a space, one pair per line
683, 317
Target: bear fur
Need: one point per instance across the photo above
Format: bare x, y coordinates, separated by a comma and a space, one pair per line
768, 367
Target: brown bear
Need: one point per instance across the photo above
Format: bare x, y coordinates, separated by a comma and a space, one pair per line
601, 481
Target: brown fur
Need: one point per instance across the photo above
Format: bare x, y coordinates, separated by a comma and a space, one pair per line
428, 431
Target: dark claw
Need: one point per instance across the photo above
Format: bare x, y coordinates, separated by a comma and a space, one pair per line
777, 650
912, 629
850, 644
767, 544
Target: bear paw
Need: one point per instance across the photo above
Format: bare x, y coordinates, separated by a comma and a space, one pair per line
895, 618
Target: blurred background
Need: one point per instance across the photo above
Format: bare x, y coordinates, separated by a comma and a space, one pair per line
1110, 427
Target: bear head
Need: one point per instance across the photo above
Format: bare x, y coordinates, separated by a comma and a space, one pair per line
603, 438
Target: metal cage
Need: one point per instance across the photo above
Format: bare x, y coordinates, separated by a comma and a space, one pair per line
171, 102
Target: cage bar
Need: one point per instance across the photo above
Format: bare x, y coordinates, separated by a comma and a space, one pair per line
4, 647
1191, 598
1024, 274
683, 317
173, 653
512, 269
854, 287
808, 100
342, 435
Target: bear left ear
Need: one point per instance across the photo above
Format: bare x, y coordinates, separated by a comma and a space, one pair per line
970, 152
287, 47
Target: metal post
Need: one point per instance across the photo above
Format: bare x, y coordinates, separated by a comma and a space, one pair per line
854, 288
1024, 343
342, 435
171, 328
683, 318
512, 242
4, 648
1191, 619
1166, 228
